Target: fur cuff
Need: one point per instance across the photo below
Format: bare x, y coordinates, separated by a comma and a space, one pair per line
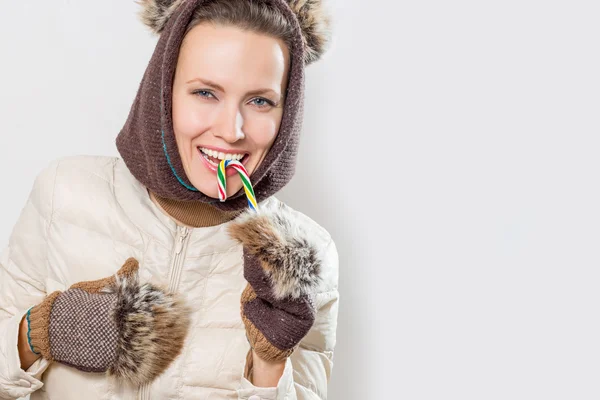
152, 326
285, 248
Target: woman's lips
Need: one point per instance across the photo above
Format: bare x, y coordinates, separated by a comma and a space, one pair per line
228, 171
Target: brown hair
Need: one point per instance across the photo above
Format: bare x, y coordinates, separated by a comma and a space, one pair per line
248, 15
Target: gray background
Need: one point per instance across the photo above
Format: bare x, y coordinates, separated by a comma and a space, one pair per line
451, 149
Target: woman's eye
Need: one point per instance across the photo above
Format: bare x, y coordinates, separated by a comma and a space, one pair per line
204, 93
260, 102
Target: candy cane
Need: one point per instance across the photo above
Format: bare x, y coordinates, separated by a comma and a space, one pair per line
222, 181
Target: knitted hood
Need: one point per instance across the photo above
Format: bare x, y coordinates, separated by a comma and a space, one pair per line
147, 142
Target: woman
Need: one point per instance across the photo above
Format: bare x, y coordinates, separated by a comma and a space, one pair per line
131, 278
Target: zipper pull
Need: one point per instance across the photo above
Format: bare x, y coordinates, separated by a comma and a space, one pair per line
182, 234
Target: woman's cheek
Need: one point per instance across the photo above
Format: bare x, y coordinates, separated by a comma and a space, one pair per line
265, 130
191, 122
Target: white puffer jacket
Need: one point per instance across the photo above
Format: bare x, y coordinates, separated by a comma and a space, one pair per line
85, 216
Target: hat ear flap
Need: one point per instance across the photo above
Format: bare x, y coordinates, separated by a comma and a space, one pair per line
156, 13
315, 23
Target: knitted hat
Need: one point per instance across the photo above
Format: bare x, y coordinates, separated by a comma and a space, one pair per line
147, 142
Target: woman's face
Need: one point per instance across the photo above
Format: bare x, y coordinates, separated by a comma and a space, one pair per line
227, 101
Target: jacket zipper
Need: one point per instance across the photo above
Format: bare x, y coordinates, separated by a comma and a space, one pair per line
175, 274
178, 258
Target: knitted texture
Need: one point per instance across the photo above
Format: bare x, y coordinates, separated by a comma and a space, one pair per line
116, 325
195, 213
83, 330
147, 142
127, 270
39, 318
273, 327
282, 264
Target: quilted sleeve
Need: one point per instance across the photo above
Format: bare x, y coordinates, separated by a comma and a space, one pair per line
22, 284
308, 369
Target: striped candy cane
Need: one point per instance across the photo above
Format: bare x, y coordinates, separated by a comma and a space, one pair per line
222, 181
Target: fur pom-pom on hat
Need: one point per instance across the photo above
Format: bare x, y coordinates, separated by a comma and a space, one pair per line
312, 18
315, 24
156, 13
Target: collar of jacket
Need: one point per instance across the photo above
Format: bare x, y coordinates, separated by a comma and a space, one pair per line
136, 205
194, 214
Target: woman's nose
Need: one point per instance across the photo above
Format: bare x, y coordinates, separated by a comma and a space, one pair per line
229, 125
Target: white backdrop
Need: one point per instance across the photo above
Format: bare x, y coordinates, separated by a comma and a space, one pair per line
451, 149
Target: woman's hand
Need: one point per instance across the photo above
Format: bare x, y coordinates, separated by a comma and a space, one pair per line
115, 325
27, 356
282, 267
265, 373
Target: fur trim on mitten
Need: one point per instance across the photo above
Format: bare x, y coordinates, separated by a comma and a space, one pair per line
125, 329
288, 254
152, 326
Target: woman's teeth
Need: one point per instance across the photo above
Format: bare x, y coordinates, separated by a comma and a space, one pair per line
219, 156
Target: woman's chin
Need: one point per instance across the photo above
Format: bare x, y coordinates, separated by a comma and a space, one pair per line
205, 189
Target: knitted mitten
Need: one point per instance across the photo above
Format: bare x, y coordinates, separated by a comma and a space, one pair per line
113, 325
282, 267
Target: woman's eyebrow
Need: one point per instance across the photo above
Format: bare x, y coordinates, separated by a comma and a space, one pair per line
220, 88
207, 83
263, 92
